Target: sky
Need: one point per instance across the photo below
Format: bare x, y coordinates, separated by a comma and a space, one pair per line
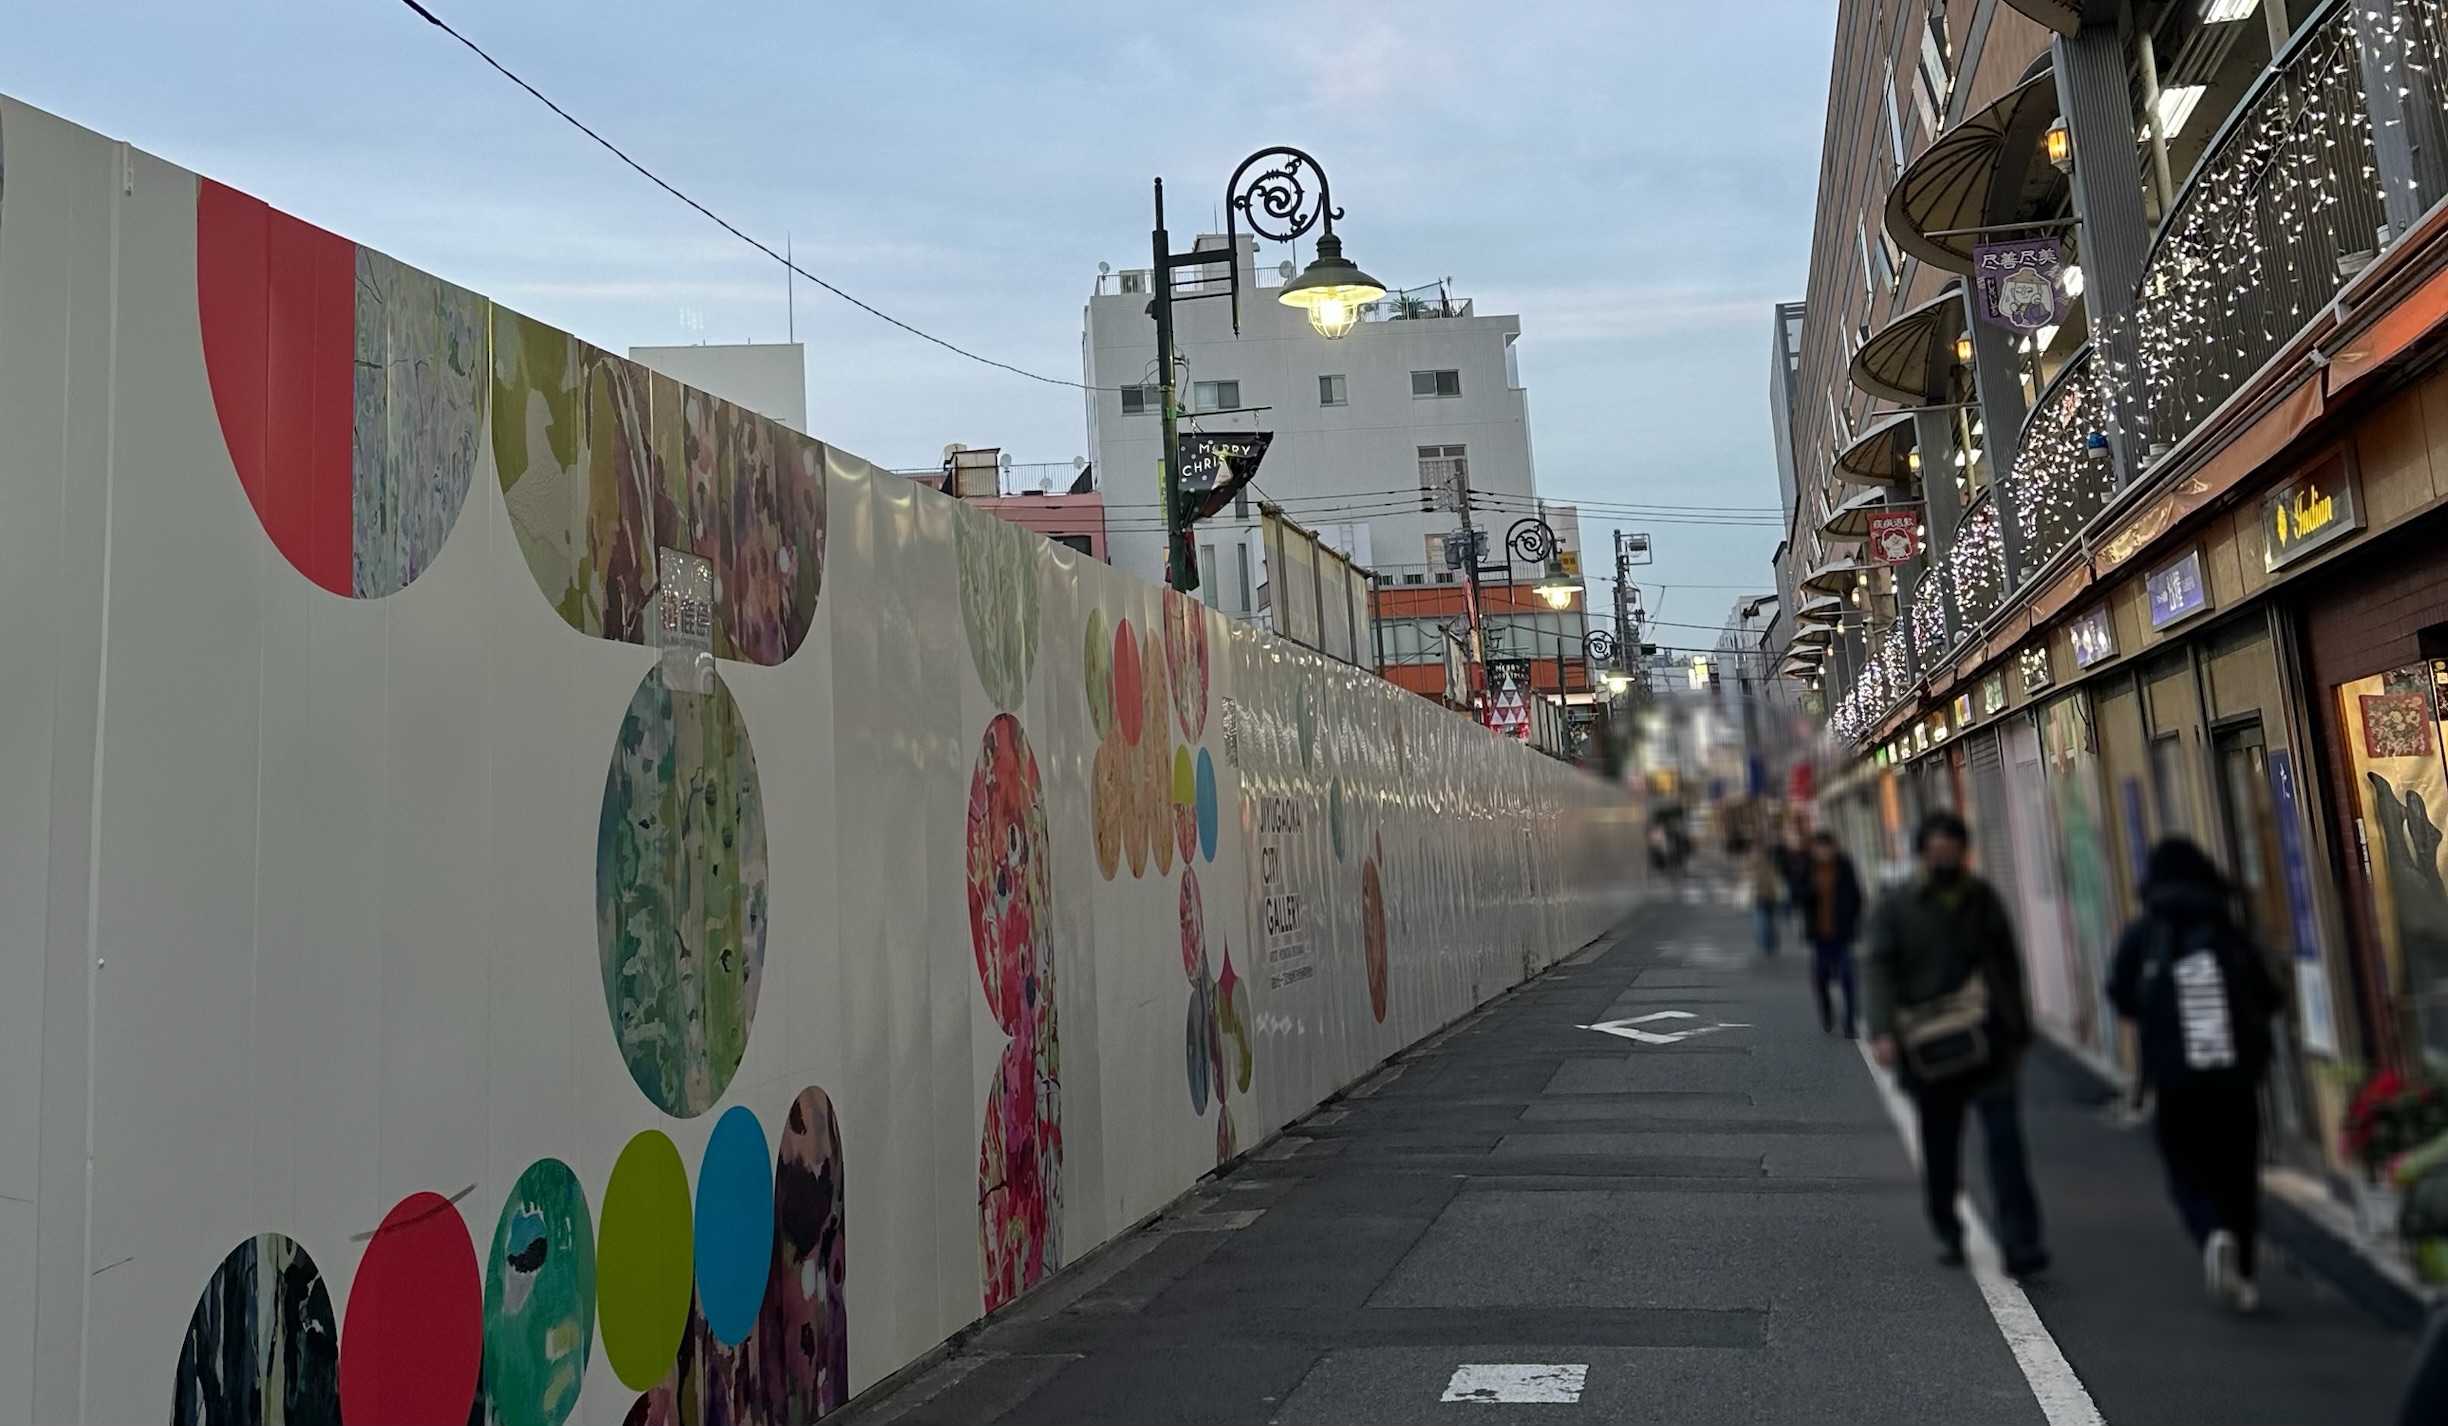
1634, 178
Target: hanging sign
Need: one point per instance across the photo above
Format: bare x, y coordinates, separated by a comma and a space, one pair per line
2019, 283
2315, 509
2177, 591
1894, 535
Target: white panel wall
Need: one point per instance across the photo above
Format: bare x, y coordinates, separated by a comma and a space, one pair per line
297, 891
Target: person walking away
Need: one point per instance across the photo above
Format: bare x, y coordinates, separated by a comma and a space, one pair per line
2201, 997
1794, 863
1767, 892
1948, 1012
1832, 893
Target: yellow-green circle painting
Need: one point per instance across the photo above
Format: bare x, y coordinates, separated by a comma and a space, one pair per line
645, 1261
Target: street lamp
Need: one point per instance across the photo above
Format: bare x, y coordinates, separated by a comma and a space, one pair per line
1278, 201
1558, 593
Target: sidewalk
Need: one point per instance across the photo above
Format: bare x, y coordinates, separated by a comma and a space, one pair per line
1721, 1227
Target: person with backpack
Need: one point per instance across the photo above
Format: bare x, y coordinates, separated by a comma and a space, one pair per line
1948, 1013
2201, 998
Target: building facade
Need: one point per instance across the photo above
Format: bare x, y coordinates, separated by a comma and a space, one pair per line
2179, 567
1387, 442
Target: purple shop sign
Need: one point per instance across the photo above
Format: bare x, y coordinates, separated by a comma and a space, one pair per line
2177, 590
2020, 283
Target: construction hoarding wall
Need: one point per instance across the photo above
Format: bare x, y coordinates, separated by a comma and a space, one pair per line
519, 877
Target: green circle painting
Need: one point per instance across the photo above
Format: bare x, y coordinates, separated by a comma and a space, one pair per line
680, 892
998, 588
539, 1302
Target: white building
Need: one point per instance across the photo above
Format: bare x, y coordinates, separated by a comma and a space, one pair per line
1367, 427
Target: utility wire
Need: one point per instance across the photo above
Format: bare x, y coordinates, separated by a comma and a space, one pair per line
725, 224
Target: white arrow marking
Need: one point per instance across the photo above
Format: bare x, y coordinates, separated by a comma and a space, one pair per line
1630, 1029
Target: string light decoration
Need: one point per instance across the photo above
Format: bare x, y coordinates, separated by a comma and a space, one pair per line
1929, 620
2062, 476
2269, 229
1977, 564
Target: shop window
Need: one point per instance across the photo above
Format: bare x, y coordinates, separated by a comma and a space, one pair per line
2390, 726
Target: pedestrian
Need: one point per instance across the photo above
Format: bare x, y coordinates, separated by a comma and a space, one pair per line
1949, 1014
1767, 882
2200, 998
1833, 893
1794, 860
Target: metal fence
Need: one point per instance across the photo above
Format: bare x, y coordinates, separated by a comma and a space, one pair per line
2282, 209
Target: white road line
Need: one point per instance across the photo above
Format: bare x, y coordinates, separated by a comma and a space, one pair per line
2063, 1398
1508, 1382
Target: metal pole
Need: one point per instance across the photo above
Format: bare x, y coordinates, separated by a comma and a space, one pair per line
1470, 542
1179, 572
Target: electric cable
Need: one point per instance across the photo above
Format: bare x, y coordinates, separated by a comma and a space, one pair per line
724, 223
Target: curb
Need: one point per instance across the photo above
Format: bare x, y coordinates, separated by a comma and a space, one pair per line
2300, 1217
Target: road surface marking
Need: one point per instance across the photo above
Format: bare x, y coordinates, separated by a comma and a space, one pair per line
1630, 1029
1507, 1382
2063, 1398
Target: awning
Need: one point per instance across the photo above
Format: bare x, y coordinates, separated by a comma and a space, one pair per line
1814, 635
1851, 520
2063, 16
1836, 577
1881, 455
1821, 609
1947, 188
1912, 357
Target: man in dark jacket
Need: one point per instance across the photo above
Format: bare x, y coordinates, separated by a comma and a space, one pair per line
2201, 999
1831, 897
1948, 1012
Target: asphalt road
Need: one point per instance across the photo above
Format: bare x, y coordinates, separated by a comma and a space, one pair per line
1722, 1227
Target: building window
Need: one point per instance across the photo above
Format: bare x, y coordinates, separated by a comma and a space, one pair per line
1442, 468
1141, 400
1215, 396
1436, 383
1333, 392
1895, 120
1210, 575
1081, 543
1936, 82
1243, 550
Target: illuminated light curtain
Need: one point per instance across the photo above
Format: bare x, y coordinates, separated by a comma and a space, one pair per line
2058, 481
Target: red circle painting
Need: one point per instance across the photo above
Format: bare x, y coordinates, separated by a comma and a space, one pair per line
1008, 929
413, 1341
350, 388
1185, 644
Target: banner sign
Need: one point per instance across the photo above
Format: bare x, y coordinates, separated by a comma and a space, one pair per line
2019, 283
1894, 535
2094, 638
1215, 468
2295, 867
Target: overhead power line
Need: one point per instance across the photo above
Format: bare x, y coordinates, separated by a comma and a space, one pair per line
724, 223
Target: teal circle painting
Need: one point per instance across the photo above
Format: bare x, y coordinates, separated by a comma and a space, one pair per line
1207, 809
680, 892
539, 1299
735, 1226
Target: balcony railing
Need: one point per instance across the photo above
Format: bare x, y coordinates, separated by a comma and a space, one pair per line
1976, 564
2062, 474
2283, 208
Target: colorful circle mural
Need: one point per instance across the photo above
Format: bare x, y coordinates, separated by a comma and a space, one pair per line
801, 1350
604, 465
1108, 805
1199, 1043
643, 1266
350, 390
412, 1345
1010, 930
1208, 809
260, 1345
1156, 760
1185, 804
1185, 642
1193, 928
1373, 929
734, 1226
539, 1299
1128, 698
998, 585
680, 892
1097, 661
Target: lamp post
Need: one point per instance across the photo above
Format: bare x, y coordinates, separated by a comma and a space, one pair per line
1272, 189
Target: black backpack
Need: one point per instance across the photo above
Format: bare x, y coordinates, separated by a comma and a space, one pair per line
2201, 1012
